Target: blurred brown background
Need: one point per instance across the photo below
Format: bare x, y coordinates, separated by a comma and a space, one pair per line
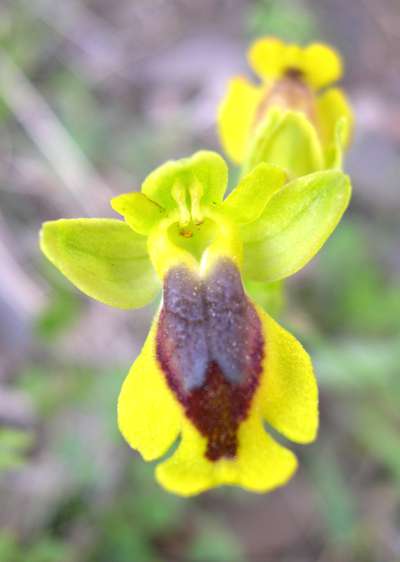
93, 95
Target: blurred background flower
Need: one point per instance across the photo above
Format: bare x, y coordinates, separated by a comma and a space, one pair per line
94, 95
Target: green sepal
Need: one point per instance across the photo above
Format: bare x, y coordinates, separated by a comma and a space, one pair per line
104, 258
248, 200
139, 211
294, 225
287, 139
334, 153
206, 167
268, 295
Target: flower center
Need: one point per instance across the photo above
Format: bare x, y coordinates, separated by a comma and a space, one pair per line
290, 92
188, 199
210, 347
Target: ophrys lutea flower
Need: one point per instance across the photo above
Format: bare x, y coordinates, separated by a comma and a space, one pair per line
287, 119
215, 366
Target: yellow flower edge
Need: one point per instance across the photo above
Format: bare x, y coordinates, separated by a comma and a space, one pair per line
236, 116
332, 106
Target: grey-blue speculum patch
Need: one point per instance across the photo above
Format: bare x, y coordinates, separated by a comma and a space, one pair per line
210, 347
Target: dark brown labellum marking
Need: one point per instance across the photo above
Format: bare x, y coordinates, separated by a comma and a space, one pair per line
210, 347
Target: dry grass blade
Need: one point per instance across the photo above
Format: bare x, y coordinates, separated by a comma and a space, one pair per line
49, 135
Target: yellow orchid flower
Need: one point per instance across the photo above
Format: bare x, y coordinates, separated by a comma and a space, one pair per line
215, 366
286, 120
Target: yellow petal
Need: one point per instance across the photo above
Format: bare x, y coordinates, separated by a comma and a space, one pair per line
260, 466
321, 64
270, 58
331, 106
149, 416
288, 394
267, 57
262, 463
187, 472
236, 116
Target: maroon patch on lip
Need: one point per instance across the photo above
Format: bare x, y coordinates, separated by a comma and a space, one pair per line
210, 347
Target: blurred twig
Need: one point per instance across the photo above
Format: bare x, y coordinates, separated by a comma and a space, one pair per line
50, 136
102, 46
16, 409
387, 21
18, 288
105, 50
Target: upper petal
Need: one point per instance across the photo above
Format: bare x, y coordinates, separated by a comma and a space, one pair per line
104, 258
236, 116
247, 201
139, 211
206, 167
321, 64
269, 57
